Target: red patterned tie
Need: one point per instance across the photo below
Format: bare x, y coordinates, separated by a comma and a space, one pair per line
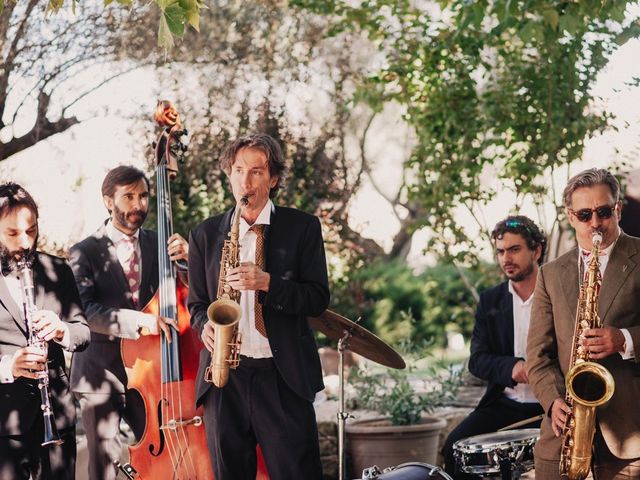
132, 270
259, 231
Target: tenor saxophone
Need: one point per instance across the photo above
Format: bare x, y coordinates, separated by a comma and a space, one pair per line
51, 436
588, 383
224, 313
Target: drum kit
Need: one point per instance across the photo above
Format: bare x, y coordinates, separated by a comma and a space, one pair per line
506, 454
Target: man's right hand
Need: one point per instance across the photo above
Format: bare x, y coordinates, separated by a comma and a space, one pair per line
559, 411
519, 372
27, 361
207, 336
153, 324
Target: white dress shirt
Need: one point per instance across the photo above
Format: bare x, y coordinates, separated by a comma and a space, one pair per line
253, 343
522, 392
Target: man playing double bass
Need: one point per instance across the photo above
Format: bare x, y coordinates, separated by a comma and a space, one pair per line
116, 270
268, 398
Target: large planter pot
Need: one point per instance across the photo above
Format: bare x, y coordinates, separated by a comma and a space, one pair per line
377, 442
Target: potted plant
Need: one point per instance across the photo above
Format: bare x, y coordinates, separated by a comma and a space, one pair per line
406, 432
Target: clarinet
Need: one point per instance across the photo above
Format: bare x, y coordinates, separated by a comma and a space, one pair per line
51, 436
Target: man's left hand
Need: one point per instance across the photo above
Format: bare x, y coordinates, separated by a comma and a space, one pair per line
178, 248
48, 326
248, 276
603, 342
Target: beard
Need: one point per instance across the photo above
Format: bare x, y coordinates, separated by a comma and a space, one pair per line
522, 274
12, 260
131, 220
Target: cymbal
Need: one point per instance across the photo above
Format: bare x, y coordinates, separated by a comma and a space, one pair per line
361, 340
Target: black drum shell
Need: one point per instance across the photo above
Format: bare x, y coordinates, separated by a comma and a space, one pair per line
407, 471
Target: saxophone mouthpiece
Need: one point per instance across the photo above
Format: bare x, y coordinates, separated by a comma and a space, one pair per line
596, 238
244, 201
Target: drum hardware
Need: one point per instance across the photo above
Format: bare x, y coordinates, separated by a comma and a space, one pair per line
351, 336
522, 423
506, 454
406, 471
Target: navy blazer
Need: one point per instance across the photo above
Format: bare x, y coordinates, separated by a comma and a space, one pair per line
298, 289
107, 301
20, 401
492, 342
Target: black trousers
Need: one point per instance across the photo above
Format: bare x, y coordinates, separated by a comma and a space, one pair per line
491, 418
258, 407
23, 458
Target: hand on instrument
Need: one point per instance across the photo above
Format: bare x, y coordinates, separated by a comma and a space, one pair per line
559, 411
519, 372
48, 326
603, 342
152, 325
27, 361
207, 336
248, 276
178, 248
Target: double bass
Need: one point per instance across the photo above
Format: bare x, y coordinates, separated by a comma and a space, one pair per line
173, 444
163, 372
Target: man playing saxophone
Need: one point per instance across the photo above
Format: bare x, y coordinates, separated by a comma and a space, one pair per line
28, 449
282, 277
592, 205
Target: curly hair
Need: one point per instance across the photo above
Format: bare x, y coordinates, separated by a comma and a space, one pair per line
526, 228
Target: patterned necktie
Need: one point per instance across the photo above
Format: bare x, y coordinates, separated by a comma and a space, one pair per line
131, 269
259, 231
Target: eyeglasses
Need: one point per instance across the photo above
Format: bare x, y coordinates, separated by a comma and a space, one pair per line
584, 214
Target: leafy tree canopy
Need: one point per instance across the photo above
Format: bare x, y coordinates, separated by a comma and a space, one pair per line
498, 92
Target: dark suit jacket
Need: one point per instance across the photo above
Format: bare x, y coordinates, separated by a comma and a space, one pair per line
550, 344
492, 342
106, 299
299, 288
20, 402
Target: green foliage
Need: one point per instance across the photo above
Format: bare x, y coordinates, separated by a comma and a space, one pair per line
499, 95
175, 15
397, 304
395, 395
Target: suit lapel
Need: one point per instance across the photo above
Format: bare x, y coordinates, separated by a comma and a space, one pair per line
15, 310
618, 269
569, 280
106, 247
506, 316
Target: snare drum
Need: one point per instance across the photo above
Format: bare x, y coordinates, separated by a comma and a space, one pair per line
406, 471
483, 454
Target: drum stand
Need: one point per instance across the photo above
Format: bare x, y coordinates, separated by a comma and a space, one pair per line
342, 415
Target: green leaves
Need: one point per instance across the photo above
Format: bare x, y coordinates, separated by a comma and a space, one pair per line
175, 15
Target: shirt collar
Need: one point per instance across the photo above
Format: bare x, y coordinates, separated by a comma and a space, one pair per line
263, 219
606, 251
516, 297
116, 235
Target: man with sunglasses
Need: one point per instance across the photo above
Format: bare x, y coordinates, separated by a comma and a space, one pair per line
592, 204
500, 335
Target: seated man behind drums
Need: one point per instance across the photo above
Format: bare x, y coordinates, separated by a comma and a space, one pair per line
500, 335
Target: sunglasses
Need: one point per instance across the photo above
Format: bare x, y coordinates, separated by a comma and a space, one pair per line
584, 214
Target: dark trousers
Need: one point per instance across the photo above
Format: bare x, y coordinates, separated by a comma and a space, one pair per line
101, 414
487, 419
257, 406
23, 458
